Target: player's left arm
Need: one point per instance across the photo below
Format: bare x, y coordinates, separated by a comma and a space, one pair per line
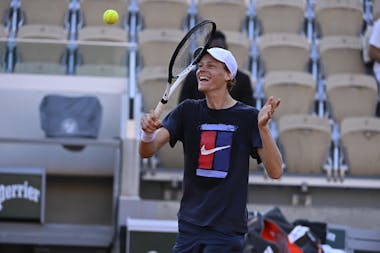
269, 153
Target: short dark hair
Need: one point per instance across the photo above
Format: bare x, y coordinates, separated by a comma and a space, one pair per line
219, 40
219, 35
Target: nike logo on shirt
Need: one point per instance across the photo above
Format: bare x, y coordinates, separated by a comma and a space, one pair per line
205, 151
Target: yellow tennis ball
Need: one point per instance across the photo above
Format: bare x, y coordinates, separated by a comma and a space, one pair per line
110, 16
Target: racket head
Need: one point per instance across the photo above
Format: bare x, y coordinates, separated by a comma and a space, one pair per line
196, 40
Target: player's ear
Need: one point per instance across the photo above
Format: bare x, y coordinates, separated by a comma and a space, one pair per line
228, 76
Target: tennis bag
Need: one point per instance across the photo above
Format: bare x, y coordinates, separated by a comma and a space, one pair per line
64, 116
272, 233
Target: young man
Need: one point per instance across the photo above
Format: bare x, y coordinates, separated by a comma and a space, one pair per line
218, 135
242, 91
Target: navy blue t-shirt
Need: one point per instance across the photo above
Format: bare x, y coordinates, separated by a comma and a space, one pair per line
217, 145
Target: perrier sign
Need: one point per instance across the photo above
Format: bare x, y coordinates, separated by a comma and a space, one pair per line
22, 194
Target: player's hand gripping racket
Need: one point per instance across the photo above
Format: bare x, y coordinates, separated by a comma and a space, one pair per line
183, 62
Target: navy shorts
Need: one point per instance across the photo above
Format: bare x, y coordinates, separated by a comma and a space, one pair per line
196, 239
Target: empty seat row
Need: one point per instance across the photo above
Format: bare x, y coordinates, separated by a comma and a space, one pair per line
305, 142
290, 14
51, 57
332, 17
338, 54
54, 19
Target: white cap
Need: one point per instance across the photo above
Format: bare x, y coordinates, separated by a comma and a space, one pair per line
226, 57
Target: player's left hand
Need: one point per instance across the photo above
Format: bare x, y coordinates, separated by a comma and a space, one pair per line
267, 111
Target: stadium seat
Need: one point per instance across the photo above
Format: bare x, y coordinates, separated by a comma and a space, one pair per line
351, 95
227, 14
253, 166
44, 19
305, 142
92, 19
360, 139
156, 46
239, 45
289, 15
152, 83
42, 32
172, 158
341, 54
284, 51
154, 12
102, 59
40, 56
296, 90
339, 17
4, 8
42, 39
101, 34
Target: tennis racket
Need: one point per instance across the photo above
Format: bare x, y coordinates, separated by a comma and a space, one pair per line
183, 61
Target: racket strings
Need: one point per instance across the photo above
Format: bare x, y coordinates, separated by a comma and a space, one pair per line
187, 53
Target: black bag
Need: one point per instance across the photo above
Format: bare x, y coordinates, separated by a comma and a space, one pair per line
63, 116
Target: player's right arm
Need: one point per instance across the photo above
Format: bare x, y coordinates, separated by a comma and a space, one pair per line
153, 135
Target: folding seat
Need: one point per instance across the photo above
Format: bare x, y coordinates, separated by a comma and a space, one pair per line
102, 59
154, 12
289, 15
4, 6
296, 90
172, 158
339, 17
4, 9
40, 56
42, 39
102, 52
341, 54
305, 141
227, 14
92, 19
253, 166
152, 83
239, 45
284, 51
351, 95
156, 46
360, 139
44, 19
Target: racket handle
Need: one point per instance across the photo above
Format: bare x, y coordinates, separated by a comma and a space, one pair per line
158, 111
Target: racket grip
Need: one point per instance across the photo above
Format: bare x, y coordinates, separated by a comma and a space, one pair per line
158, 111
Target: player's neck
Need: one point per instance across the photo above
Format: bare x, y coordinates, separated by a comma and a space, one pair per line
218, 101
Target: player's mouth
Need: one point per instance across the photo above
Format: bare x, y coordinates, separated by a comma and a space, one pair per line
203, 79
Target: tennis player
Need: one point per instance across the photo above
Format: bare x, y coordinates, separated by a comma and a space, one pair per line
218, 135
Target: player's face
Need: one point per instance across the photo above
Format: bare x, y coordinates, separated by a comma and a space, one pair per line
211, 74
